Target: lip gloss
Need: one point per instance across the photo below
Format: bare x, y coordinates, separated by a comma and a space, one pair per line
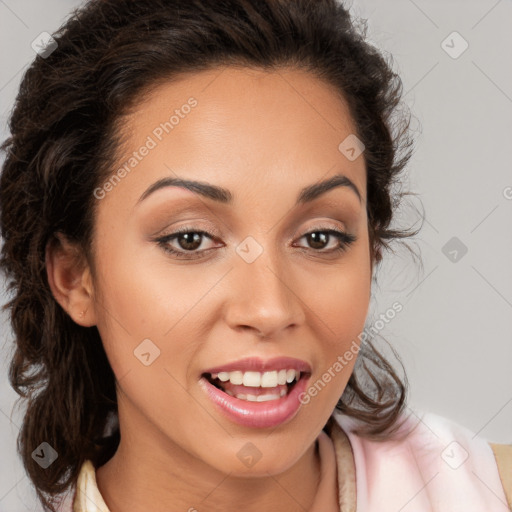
257, 414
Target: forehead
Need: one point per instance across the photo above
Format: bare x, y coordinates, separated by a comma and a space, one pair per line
240, 127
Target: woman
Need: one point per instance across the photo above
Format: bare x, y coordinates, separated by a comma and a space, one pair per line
194, 201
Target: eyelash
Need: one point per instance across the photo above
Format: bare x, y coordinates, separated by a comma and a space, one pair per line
345, 240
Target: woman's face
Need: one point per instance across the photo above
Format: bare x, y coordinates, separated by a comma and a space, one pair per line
266, 282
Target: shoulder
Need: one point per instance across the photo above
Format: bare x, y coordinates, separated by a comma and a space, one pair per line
438, 464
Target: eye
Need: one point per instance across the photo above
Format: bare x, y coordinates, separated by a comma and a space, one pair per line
319, 238
189, 240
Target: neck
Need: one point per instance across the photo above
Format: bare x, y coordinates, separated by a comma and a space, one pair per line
150, 472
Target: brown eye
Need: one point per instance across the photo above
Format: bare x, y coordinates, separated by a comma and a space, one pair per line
320, 238
185, 242
189, 241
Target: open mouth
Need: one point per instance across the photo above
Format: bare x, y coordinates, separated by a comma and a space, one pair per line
266, 395
256, 386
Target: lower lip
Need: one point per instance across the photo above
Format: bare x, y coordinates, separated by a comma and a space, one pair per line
257, 414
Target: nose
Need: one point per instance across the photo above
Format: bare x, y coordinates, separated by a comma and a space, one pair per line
264, 298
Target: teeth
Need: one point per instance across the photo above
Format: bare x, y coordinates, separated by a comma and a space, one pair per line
266, 398
259, 379
260, 398
223, 376
252, 379
290, 375
236, 377
269, 380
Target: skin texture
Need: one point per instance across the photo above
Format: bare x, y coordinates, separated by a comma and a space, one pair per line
264, 136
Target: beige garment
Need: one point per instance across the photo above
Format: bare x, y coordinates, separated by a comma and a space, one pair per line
346, 471
326, 499
337, 478
503, 455
88, 497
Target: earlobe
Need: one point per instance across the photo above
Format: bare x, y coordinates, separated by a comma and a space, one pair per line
69, 279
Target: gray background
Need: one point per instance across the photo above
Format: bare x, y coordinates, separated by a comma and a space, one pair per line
455, 330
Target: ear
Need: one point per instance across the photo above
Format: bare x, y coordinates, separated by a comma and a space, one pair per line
70, 280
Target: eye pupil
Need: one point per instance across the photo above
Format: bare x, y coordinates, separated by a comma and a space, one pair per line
315, 237
190, 238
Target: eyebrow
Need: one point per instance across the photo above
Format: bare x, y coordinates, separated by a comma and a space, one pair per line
222, 195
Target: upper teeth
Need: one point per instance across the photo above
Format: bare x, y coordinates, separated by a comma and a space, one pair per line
258, 379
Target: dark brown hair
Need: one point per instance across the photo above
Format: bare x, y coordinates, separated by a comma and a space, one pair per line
65, 134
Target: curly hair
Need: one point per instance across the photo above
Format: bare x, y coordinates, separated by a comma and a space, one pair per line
64, 139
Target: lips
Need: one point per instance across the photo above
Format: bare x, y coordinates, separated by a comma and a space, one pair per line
234, 387
259, 365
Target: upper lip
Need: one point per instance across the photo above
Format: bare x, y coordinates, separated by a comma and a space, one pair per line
256, 364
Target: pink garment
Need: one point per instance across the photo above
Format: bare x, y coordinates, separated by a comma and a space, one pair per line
439, 467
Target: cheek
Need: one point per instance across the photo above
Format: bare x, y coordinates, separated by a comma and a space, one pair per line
138, 302
339, 297
339, 309
146, 297
149, 331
